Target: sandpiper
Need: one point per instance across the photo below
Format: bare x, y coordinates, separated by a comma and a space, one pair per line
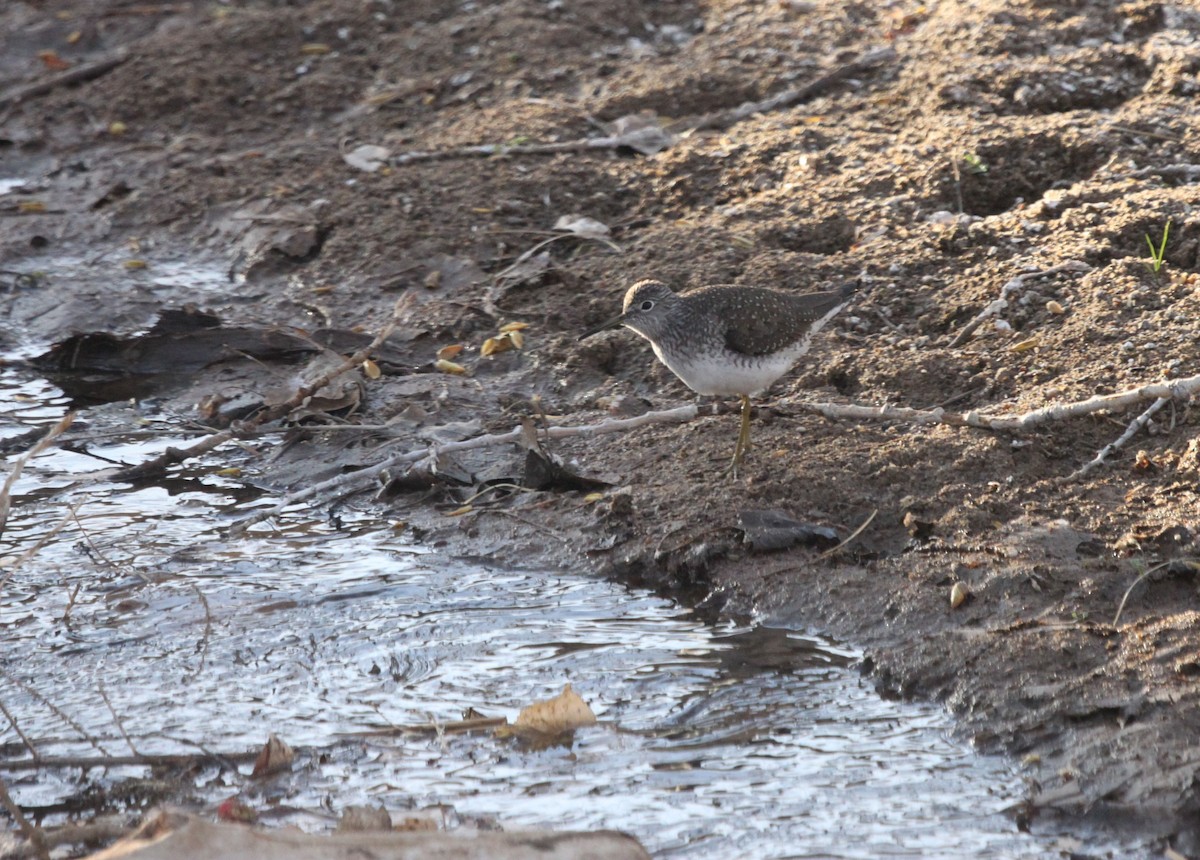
727, 340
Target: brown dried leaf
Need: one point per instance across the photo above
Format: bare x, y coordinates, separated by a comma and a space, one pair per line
563, 713
513, 326
448, 352
371, 369
52, 61
275, 755
449, 367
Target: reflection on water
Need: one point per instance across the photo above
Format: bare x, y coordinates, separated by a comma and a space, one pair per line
713, 742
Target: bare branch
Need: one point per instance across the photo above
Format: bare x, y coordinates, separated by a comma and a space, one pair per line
6, 490
1179, 389
33, 834
363, 476
158, 465
1008, 289
1134, 426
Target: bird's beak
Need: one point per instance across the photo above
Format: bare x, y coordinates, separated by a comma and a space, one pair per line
615, 322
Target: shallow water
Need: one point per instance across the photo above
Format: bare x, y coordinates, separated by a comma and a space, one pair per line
716, 742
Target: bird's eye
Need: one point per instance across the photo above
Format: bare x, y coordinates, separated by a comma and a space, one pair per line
647, 305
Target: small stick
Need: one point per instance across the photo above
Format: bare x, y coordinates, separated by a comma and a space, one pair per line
1008, 289
1136, 582
361, 476
117, 719
862, 63
88, 762
1181, 389
57, 711
662, 139
851, 536
17, 728
77, 75
33, 834
1134, 426
41, 542
156, 466
6, 490
208, 619
455, 726
75, 834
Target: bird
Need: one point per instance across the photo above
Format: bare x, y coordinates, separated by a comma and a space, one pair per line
728, 339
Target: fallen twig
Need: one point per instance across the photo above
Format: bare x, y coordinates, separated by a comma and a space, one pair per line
12, 721
56, 710
1145, 573
41, 542
488, 150
75, 834
77, 75
1134, 426
787, 98
6, 490
208, 626
452, 727
682, 413
117, 719
1181, 389
1008, 289
649, 140
146, 760
156, 466
37, 839
852, 535
1181, 171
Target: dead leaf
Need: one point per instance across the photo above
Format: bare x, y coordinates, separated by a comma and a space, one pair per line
275, 755
525, 270
564, 713
449, 367
448, 352
371, 369
641, 132
135, 264
315, 48
367, 157
236, 811
582, 226
52, 61
513, 326
31, 207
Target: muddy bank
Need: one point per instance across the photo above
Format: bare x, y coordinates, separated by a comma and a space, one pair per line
218, 160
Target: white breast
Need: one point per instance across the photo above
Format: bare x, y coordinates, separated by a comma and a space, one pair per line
710, 374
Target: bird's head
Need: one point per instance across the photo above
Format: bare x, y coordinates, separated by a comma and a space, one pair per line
646, 310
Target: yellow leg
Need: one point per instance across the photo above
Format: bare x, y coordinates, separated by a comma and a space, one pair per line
743, 441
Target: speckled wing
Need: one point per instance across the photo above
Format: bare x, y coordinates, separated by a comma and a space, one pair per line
761, 322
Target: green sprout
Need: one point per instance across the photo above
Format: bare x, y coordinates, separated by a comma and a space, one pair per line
1157, 255
975, 163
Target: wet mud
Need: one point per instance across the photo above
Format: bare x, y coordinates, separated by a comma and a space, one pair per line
218, 158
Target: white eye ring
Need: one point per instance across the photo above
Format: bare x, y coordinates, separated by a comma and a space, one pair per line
647, 305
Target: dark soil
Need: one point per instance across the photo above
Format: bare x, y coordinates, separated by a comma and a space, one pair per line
1002, 137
